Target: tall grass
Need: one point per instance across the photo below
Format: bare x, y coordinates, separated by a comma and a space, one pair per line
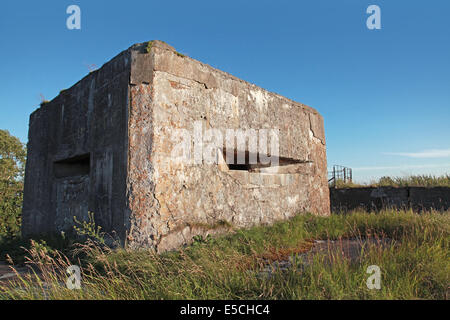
415, 266
415, 181
408, 181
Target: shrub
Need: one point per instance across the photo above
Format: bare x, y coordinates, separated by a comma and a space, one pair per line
12, 165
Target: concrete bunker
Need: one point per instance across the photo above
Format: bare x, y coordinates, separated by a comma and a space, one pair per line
106, 146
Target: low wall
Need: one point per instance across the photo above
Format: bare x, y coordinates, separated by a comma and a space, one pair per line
373, 199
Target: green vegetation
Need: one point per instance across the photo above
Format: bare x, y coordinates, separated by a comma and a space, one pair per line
12, 166
416, 181
415, 266
342, 184
410, 181
148, 48
89, 229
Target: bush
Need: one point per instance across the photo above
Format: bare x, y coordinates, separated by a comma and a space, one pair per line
11, 195
12, 165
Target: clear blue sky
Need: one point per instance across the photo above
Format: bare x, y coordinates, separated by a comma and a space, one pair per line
384, 94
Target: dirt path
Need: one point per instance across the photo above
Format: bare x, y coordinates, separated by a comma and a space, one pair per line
6, 273
349, 249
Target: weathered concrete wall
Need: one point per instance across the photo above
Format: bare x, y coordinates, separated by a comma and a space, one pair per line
123, 115
77, 154
167, 199
373, 199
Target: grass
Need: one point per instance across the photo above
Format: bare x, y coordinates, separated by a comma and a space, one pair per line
409, 181
148, 48
15, 248
229, 267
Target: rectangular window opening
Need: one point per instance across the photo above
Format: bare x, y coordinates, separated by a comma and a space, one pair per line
75, 166
243, 167
246, 166
255, 167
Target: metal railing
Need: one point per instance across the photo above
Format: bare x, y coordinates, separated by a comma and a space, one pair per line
339, 173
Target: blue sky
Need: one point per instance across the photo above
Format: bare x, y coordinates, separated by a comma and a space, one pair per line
384, 94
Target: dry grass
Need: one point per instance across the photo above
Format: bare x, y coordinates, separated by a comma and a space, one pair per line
229, 267
427, 181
